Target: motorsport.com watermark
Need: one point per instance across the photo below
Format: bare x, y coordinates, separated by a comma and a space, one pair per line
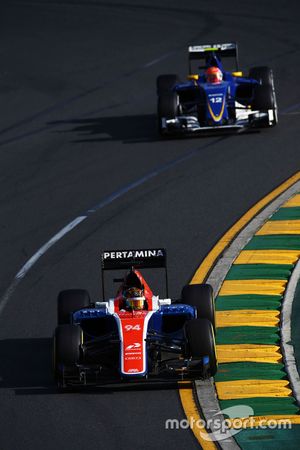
219, 428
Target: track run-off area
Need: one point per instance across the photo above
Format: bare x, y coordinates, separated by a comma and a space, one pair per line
83, 169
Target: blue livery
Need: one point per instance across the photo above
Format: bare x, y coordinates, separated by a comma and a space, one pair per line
235, 102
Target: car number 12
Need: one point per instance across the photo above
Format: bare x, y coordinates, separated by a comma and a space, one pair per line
216, 99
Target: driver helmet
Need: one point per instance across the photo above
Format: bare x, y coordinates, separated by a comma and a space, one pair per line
213, 75
134, 298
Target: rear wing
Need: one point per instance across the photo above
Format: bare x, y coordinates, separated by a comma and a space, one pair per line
212, 53
139, 259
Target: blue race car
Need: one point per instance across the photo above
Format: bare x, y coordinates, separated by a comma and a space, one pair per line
134, 336
217, 99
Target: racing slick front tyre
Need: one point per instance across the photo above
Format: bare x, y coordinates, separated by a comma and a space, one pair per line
168, 105
201, 297
66, 351
201, 342
167, 108
69, 301
165, 83
264, 100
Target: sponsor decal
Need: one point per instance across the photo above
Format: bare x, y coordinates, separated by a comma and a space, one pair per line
132, 358
129, 254
136, 327
212, 47
135, 345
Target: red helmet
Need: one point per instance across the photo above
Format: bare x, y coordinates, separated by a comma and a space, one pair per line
213, 75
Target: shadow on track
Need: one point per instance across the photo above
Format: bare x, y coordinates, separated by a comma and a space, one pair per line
26, 367
129, 129
25, 362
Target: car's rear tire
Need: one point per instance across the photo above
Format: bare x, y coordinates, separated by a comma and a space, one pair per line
165, 83
69, 301
263, 74
66, 350
201, 342
201, 297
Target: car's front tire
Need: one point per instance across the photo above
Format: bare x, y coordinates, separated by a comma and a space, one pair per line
167, 108
66, 351
201, 342
264, 98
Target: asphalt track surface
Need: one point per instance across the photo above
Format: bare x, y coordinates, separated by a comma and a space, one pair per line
77, 83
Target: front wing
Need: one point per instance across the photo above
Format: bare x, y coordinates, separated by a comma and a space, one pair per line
189, 124
112, 358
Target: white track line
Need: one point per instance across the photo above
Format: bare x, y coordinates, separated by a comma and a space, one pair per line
107, 201
22, 272
28, 265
